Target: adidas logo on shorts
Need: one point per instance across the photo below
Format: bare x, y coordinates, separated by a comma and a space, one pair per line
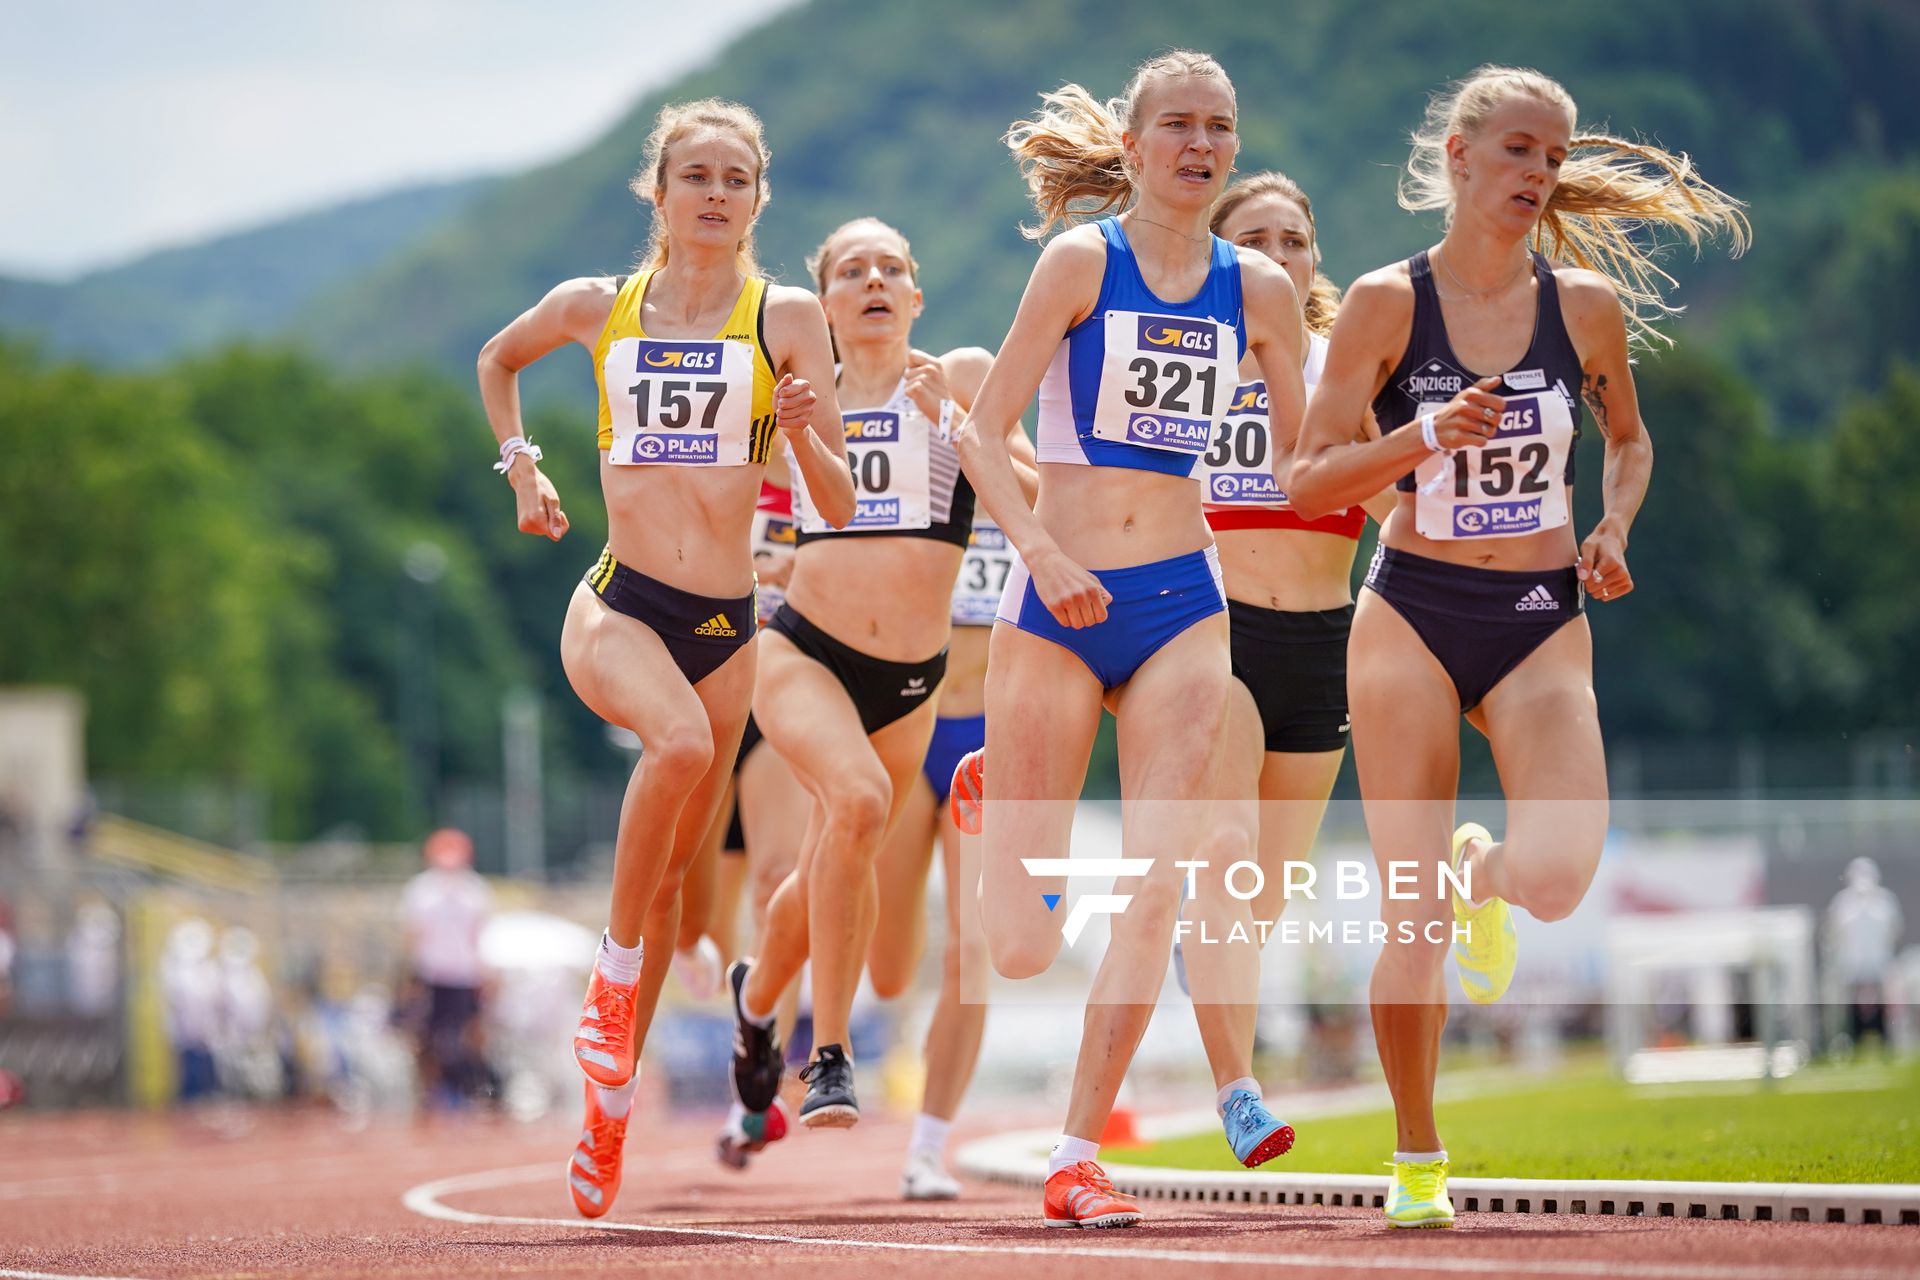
718, 625
1538, 600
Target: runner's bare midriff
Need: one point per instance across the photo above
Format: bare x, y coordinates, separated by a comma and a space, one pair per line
1291, 570
1115, 517
890, 598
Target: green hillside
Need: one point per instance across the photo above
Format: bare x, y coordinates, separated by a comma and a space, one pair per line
244, 286
222, 568
897, 111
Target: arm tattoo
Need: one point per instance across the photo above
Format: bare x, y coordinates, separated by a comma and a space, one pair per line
1593, 389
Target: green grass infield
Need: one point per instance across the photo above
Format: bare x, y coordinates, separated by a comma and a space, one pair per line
1858, 1123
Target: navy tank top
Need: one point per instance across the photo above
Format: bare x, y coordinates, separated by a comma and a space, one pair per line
1429, 373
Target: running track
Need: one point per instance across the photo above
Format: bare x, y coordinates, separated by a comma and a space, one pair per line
272, 1195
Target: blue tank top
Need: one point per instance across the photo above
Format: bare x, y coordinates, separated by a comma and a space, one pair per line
1166, 370
1429, 373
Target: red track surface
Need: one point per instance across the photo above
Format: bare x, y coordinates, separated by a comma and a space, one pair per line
299, 1195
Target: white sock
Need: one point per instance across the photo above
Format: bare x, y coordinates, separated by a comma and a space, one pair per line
1418, 1157
929, 1135
762, 1020
617, 964
617, 1102
1070, 1151
1232, 1087
736, 1115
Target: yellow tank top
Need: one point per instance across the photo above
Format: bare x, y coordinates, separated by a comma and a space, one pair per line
746, 323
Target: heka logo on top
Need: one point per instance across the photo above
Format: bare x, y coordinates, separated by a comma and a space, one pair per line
689, 357
872, 428
1522, 418
1189, 435
875, 511
1244, 486
1196, 336
1494, 519
1434, 380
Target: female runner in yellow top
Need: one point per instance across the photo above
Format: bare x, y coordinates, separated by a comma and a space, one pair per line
686, 353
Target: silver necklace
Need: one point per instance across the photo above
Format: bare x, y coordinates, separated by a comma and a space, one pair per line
1500, 288
1164, 227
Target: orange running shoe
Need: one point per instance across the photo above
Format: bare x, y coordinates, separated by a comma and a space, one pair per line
603, 1046
1081, 1196
968, 797
593, 1175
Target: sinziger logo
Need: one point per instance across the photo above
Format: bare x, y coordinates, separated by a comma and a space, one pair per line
1092, 904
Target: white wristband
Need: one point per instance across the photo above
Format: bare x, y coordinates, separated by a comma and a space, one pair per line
512, 448
1427, 436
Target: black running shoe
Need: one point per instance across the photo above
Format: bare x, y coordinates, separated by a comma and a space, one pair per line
830, 1102
756, 1051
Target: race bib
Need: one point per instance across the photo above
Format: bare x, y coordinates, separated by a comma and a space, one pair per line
889, 453
1165, 381
1513, 485
1237, 470
687, 404
772, 535
983, 576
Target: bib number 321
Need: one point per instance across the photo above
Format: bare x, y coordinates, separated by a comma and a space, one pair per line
1165, 381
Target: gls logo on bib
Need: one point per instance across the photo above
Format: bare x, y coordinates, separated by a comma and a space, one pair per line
698, 357
1178, 335
873, 428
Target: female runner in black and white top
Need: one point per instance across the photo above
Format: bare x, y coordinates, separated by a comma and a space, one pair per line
851, 663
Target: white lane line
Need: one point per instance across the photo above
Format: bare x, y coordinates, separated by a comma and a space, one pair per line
48, 1275
425, 1200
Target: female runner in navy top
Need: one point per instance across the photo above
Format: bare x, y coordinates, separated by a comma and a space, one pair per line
1473, 357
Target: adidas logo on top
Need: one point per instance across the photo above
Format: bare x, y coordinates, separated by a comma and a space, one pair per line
718, 625
1538, 600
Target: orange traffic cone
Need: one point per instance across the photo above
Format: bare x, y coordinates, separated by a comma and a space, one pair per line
1119, 1130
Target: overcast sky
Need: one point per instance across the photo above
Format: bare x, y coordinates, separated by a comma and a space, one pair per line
127, 126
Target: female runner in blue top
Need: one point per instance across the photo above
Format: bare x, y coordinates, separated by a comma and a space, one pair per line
1131, 331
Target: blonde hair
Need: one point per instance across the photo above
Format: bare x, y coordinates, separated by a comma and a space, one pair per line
1322, 302
820, 259
1071, 154
674, 124
1609, 189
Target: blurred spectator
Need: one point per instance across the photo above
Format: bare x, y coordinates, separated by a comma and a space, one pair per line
1863, 928
6, 958
246, 1050
190, 981
445, 908
93, 961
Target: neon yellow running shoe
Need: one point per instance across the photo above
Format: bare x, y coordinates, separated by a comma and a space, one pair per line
1487, 957
1417, 1196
